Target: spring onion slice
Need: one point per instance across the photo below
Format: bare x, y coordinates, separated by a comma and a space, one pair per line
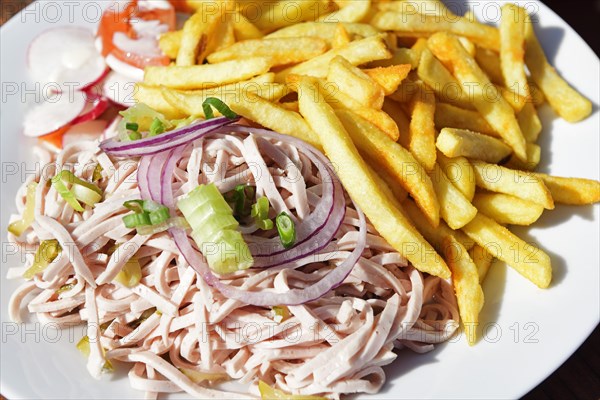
131, 273
65, 288
132, 126
219, 106
281, 313
137, 220
81, 190
175, 222
270, 393
142, 116
241, 199
84, 347
286, 229
214, 229
18, 227
199, 377
97, 174
46, 253
260, 213
156, 127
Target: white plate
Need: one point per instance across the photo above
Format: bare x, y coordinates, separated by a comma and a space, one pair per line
528, 332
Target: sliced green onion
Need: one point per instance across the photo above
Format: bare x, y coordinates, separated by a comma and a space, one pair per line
81, 190
241, 199
18, 227
180, 123
84, 347
131, 273
145, 315
159, 216
281, 313
156, 127
219, 106
45, 254
260, 213
143, 116
132, 126
97, 175
65, 288
214, 229
286, 230
136, 206
199, 377
270, 393
134, 136
135, 220
175, 222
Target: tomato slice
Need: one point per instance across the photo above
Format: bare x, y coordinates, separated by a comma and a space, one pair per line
138, 60
115, 19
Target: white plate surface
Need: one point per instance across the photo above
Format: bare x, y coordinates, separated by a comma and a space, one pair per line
527, 332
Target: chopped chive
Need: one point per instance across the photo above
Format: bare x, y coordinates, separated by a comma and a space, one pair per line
135, 220
159, 216
132, 126
219, 105
134, 136
156, 127
286, 230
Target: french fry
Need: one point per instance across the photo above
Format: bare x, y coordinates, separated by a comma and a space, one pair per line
463, 143
434, 235
421, 141
506, 209
395, 160
524, 185
489, 62
341, 37
423, 7
197, 31
482, 259
281, 51
357, 53
460, 172
224, 37
397, 191
516, 101
566, 101
400, 56
455, 208
512, 49
449, 116
290, 105
152, 97
483, 35
531, 262
353, 173
207, 75
276, 14
389, 78
534, 155
437, 77
537, 96
356, 83
169, 43
574, 191
353, 11
323, 30
530, 123
394, 110
464, 68
243, 29
468, 45
465, 279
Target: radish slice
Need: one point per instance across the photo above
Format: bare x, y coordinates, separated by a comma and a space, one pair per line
65, 56
91, 87
56, 112
132, 73
94, 107
119, 89
91, 130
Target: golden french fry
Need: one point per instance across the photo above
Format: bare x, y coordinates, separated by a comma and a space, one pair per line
531, 262
207, 75
575, 191
434, 235
357, 53
449, 116
489, 62
482, 259
455, 208
152, 97
395, 160
534, 155
506, 209
353, 11
323, 30
463, 143
389, 78
496, 110
516, 101
566, 101
273, 15
243, 29
512, 49
524, 185
388, 185
281, 51
353, 173
530, 123
460, 172
198, 30
356, 83
483, 35
224, 37
290, 105
437, 77
465, 279
424, 7
169, 43
421, 141
468, 45
537, 96
341, 37
395, 111
400, 56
